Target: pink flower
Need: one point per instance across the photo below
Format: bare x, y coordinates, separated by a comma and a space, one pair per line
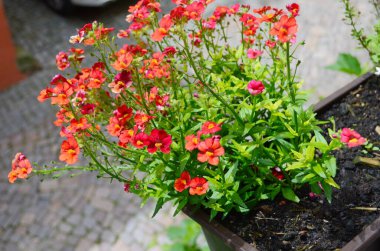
351, 138
252, 54
255, 87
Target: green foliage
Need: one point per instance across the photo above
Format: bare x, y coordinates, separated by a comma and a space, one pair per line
184, 237
347, 63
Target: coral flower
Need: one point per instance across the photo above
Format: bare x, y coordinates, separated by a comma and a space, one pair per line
192, 142
62, 61
252, 54
159, 139
210, 127
209, 151
255, 87
285, 28
198, 186
165, 24
351, 138
121, 81
21, 168
183, 182
69, 151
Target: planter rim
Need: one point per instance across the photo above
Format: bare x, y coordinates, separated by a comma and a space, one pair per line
359, 243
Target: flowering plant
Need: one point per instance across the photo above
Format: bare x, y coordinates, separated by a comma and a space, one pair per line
184, 116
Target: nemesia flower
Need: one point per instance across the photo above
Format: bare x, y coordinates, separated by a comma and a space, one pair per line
69, 151
285, 28
169, 51
140, 140
198, 186
87, 109
21, 168
45, 94
194, 10
165, 24
210, 127
209, 151
192, 142
255, 87
293, 8
252, 54
77, 55
126, 136
183, 182
62, 61
159, 139
123, 59
277, 172
351, 138
78, 125
121, 81
141, 118
270, 44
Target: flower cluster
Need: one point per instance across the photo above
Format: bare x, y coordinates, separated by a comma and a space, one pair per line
185, 102
21, 168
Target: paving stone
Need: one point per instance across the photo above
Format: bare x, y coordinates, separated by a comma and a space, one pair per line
27, 126
64, 227
102, 204
84, 244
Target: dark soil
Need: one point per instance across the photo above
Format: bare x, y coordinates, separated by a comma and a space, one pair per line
314, 224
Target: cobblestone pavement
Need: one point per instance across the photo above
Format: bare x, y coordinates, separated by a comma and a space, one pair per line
83, 213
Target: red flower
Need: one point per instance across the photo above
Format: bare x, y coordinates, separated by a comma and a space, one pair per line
21, 168
183, 182
293, 8
209, 151
351, 138
198, 186
270, 44
62, 61
159, 139
192, 142
140, 140
255, 87
210, 127
277, 172
78, 125
285, 29
69, 151
194, 11
121, 81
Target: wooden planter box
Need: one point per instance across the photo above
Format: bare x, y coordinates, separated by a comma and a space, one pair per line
220, 238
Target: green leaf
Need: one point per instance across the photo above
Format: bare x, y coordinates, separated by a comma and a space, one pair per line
347, 63
289, 194
331, 166
230, 175
319, 137
309, 155
318, 169
159, 204
181, 205
328, 191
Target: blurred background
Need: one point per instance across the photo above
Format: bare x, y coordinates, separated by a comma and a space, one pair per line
83, 213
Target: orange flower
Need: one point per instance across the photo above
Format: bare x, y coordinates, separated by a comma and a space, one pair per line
182, 182
209, 151
285, 29
69, 151
165, 24
21, 168
198, 186
192, 142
